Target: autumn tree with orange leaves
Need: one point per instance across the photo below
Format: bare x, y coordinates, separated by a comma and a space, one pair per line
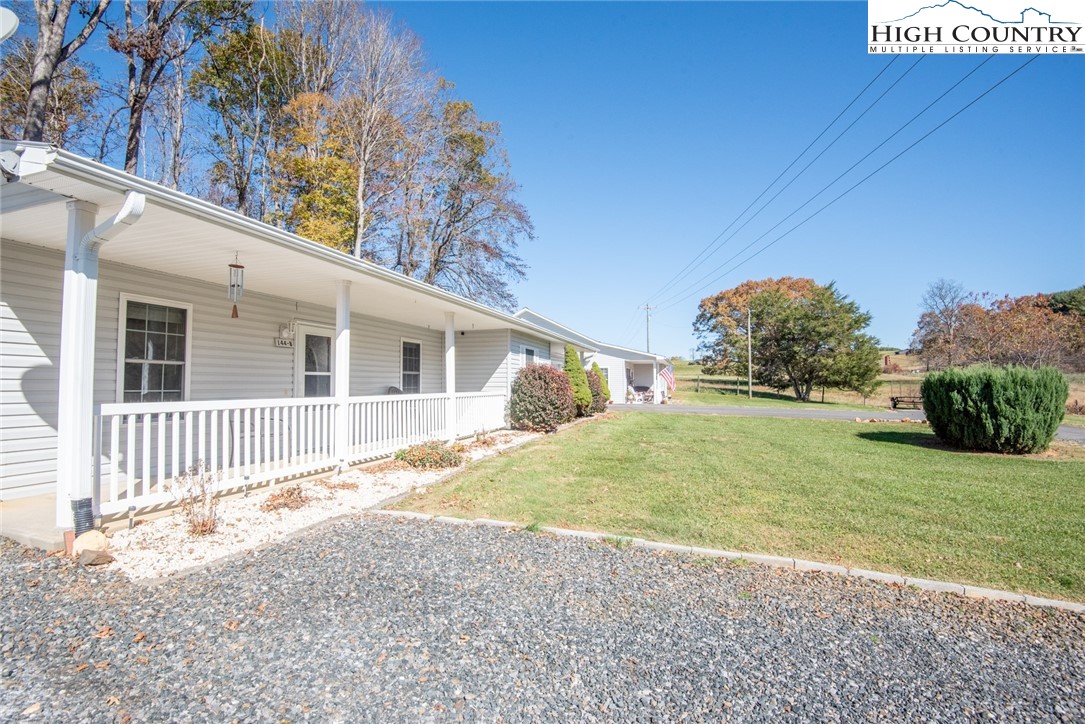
804, 335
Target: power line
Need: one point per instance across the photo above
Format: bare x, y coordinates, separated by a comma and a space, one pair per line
814, 160
773, 182
823, 189
864, 179
699, 284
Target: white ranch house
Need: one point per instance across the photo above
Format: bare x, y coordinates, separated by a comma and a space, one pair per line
625, 369
122, 366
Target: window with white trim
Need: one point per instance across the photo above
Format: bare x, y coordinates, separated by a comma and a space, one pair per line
411, 365
529, 356
155, 352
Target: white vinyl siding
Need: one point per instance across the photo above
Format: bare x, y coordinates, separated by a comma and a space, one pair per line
481, 360
614, 369
30, 345
518, 343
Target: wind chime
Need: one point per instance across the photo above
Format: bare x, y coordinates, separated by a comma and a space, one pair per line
236, 286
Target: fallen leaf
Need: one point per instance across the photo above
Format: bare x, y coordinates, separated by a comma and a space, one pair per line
33, 583
138, 637
113, 701
32, 709
232, 625
104, 632
82, 666
102, 665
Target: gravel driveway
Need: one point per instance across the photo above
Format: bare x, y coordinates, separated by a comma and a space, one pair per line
375, 618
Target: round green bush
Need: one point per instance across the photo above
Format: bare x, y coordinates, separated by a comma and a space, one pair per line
595, 384
541, 399
1000, 409
429, 455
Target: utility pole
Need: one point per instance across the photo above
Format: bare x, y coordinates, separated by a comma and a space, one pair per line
647, 327
749, 353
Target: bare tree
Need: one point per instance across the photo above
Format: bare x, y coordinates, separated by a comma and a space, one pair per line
939, 332
50, 52
318, 36
70, 110
155, 35
386, 89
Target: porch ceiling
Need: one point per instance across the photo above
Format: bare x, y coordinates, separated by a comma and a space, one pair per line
186, 237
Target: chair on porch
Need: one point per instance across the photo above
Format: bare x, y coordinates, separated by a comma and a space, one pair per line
643, 394
394, 391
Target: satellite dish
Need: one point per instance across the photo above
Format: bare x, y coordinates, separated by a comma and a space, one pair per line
9, 23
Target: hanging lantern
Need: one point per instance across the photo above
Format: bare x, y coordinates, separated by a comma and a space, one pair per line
236, 287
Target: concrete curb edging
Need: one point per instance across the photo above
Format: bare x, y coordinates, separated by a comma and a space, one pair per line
797, 564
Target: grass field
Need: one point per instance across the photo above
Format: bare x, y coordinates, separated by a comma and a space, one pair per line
721, 390
879, 496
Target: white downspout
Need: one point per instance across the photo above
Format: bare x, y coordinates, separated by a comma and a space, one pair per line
341, 386
78, 323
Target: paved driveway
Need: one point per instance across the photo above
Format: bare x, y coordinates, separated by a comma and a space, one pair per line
373, 618
1065, 432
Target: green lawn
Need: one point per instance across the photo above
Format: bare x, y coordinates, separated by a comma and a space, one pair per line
726, 397
881, 496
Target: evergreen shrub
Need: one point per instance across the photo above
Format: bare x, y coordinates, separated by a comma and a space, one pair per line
1000, 409
579, 381
602, 381
542, 399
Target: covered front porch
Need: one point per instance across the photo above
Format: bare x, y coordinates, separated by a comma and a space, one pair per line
330, 360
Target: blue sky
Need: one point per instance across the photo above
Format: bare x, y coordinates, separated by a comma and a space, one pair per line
640, 130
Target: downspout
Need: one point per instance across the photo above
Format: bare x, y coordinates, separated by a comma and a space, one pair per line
75, 441
130, 212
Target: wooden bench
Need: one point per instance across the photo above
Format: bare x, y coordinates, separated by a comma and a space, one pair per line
914, 402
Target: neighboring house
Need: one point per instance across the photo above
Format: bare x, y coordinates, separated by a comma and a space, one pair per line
122, 365
625, 369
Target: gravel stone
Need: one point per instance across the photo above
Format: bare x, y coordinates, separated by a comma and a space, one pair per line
382, 618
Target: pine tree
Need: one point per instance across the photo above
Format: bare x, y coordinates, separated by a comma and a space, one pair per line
602, 380
579, 380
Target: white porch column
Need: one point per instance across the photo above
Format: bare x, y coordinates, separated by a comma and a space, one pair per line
656, 393
341, 382
450, 375
75, 400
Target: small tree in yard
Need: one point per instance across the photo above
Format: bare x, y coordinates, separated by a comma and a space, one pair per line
595, 384
541, 399
602, 382
579, 381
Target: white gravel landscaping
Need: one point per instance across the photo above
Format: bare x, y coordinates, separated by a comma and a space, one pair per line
162, 547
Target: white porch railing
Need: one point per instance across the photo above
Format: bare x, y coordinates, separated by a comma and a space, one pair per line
479, 412
141, 447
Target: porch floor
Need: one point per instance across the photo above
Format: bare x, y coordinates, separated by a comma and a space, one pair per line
32, 522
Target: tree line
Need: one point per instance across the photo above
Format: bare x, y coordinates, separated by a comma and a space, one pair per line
328, 121
957, 328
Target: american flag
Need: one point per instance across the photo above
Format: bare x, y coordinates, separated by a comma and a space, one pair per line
668, 376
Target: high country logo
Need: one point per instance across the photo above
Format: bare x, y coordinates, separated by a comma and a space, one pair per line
976, 26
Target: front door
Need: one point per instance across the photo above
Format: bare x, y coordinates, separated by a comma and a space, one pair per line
313, 362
